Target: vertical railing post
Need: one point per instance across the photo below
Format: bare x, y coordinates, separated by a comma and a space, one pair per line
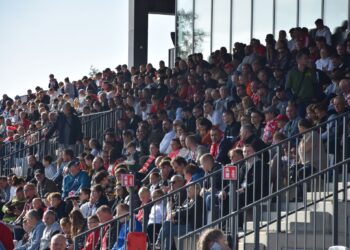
256, 214
233, 207
335, 206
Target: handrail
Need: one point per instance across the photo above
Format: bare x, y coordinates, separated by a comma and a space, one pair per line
151, 203
267, 198
82, 117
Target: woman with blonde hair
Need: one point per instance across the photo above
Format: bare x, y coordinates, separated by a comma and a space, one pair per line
212, 239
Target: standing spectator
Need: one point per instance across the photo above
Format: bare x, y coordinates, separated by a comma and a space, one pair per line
322, 30
212, 239
300, 82
69, 128
69, 88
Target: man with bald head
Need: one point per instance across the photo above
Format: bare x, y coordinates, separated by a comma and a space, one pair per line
58, 242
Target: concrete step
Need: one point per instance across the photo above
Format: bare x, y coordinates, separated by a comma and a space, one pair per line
286, 241
297, 222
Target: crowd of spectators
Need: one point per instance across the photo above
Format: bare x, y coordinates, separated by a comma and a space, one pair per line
178, 125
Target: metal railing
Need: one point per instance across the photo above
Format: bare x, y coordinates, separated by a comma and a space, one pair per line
13, 154
260, 175
318, 221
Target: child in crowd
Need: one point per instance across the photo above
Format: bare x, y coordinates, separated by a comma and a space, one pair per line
66, 225
50, 169
123, 209
156, 216
133, 157
145, 197
38, 205
92, 238
154, 179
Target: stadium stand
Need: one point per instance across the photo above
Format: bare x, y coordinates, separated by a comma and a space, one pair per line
278, 112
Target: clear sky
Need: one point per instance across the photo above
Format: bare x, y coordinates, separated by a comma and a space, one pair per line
66, 37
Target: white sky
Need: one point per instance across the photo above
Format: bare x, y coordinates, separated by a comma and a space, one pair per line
66, 37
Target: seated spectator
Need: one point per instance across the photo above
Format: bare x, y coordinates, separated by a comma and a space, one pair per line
58, 242
133, 157
109, 232
95, 147
66, 227
232, 126
219, 146
14, 207
33, 165
97, 198
311, 150
156, 216
271, 125
325, 62
253, 178
51, 228
84, 202
145, 197
122, 211
50, 169
183, 219
44, 185
176, 149
166, 172
75, 180
39, 207
192, 173
37, 228
149, 163
58, 205
92, 238
6, 237
169, 134
120, 194
196, 150
78, 225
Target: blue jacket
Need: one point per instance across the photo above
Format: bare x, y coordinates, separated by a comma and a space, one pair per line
34, 238
75, 183
123, 233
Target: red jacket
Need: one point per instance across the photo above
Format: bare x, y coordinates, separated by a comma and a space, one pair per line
6, 237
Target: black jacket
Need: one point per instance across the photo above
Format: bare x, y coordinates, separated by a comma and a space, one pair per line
256, 180
60, 125
192, 212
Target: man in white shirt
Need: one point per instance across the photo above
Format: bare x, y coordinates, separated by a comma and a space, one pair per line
169, 134
322, 30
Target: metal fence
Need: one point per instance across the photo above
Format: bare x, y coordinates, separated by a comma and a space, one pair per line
13, 154
319, 220
285, 166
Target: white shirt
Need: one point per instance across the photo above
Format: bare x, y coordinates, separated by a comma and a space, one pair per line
47, 234
157, 214
326, 33
324, 64
164, 146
